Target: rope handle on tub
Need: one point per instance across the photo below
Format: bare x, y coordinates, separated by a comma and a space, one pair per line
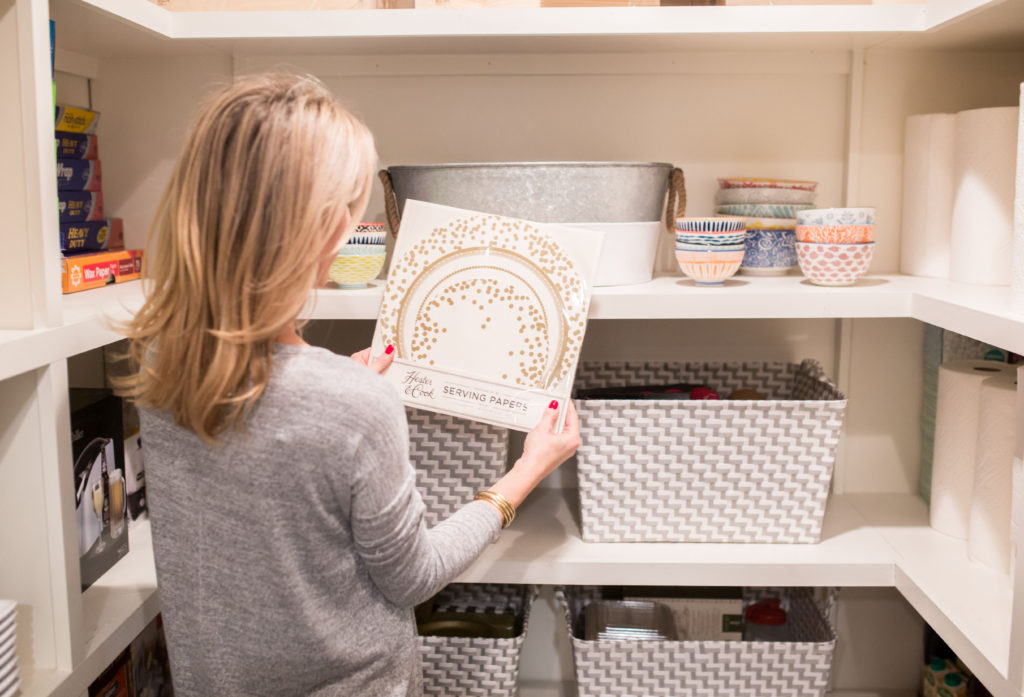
390, 201
675, 204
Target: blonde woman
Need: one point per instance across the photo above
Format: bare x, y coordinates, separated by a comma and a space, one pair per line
288, 534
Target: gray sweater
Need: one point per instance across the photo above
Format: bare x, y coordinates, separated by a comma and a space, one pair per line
289, 557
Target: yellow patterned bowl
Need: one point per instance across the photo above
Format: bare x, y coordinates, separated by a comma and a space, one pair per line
355, 268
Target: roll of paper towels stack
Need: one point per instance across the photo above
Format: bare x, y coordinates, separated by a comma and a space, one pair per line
984, 167
927, 195
956, 440
988, 541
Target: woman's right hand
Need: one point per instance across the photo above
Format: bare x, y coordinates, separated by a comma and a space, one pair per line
543, 451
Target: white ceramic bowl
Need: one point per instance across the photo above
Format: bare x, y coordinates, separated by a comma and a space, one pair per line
834, 264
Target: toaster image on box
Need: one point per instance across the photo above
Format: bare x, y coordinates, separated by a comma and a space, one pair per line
95, 460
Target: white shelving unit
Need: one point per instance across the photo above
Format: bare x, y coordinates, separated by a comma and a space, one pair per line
804, 91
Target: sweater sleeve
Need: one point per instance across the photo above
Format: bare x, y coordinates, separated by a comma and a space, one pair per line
408, 561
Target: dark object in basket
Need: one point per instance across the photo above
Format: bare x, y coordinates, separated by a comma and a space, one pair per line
632, 620
679, 390
468, 624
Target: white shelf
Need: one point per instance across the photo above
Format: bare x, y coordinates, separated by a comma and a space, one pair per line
116, 608
132, 28
871, 540
969, 604
981, 312
881, 540
544, 546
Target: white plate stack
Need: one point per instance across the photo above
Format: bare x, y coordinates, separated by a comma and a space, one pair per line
9, 681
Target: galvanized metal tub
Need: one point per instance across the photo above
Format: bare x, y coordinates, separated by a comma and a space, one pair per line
545, 192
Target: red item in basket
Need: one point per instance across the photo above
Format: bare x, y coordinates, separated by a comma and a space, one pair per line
703, 393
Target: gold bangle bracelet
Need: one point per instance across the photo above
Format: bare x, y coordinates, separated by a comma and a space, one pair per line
505, 509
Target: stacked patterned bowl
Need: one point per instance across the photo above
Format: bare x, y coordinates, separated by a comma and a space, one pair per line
710, 250
362, 258
835, 245
770, 207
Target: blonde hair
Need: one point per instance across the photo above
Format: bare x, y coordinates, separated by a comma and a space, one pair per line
272, 168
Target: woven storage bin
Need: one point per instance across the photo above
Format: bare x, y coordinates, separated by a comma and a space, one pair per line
454, 459
476, 667
708, 471
693, 668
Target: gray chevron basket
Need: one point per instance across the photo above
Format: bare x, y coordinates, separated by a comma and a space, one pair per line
693, 668
476, 667
454, 459
708, 471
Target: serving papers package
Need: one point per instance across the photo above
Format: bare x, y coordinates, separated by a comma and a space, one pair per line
486, 313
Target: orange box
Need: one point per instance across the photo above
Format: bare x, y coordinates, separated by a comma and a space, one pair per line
85, 271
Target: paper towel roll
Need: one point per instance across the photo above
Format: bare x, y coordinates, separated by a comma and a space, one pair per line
956, 438
984, 163
926, 234
1018, 217
988, 540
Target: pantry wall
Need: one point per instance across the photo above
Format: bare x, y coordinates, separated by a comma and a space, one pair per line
832, 114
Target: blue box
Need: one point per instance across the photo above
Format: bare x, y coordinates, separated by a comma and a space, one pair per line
94, 236
79, 175
80, 206
76, 146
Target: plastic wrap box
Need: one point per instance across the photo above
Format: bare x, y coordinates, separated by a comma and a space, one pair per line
708, 471
692, 668
95, 236
454, 459
456, 666
76, 146
79, 175
80, 206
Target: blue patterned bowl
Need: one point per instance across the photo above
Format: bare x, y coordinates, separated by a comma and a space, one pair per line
769, 252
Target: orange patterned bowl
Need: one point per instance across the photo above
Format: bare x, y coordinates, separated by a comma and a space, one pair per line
835, 234
709, 267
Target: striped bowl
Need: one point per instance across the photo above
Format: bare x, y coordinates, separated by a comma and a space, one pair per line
700, 238
709, 268
711, 225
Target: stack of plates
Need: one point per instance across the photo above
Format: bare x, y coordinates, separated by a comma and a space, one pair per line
632, 620
9, 681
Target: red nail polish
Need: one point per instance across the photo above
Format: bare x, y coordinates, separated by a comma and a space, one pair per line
554, 404
389, 350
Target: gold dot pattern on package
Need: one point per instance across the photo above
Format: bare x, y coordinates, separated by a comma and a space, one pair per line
486, 283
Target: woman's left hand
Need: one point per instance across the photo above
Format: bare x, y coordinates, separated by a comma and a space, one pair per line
378, 364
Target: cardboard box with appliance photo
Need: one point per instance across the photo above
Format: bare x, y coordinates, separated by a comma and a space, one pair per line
134, 467
101, 500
